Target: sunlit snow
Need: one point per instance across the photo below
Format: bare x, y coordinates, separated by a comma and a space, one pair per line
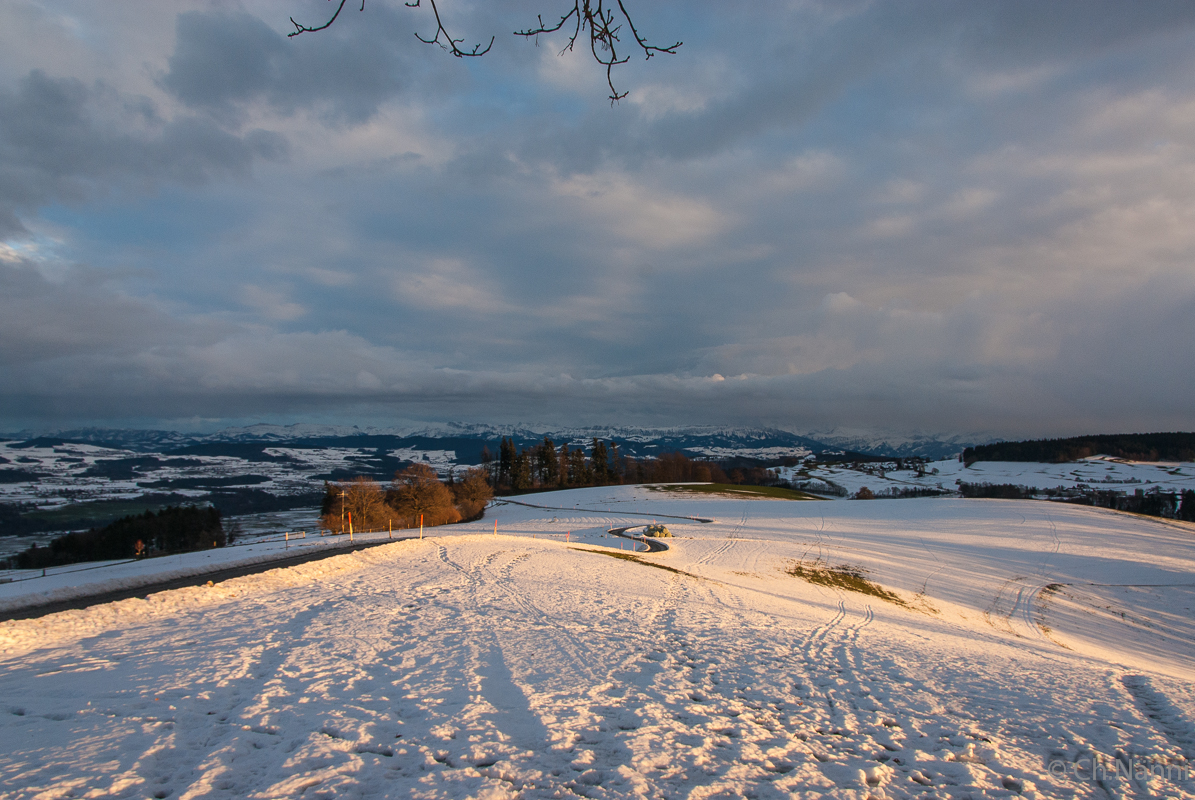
1039, 650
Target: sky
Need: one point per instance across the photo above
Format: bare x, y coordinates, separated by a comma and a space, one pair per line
933, 217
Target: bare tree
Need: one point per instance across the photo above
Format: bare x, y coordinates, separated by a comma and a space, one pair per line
362, 501
601, 20
417, 491
472, 493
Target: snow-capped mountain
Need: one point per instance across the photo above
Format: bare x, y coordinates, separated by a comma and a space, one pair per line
711, 441
881, 443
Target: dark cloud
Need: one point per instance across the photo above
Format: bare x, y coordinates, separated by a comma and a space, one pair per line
927, 215
44, 321
64, 141
224, 63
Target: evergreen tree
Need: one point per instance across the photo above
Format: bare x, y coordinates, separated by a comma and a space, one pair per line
1186, 510
171, 530
331, 498
579, 473
546, 464
506, 458
564, 468
599, 461
520, 471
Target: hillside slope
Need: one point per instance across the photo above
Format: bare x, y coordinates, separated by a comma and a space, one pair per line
1010, 647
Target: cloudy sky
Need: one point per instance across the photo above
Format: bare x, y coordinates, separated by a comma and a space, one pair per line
905, 216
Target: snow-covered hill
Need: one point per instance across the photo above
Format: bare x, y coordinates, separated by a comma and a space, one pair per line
997, 649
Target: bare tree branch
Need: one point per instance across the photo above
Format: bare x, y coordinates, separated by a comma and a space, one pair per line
451, 45
304, 29
598, 18
603, 25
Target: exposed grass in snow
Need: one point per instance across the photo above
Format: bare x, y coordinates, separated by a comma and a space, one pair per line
843, 576
735, 490
638, 560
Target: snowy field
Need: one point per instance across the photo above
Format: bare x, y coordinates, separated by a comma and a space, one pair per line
1098, 472
1025, 649
65, 472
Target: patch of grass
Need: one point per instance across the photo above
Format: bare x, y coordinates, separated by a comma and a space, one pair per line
736, 490
1047, 594
843, 576
637, 560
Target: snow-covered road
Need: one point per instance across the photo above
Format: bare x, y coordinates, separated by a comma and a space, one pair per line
1042, 651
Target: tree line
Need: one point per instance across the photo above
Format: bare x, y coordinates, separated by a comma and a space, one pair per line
171, 530
1175, 446
545, 466
1152, 503
418, 496
415, 497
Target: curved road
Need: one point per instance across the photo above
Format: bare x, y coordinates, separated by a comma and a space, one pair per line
653, 545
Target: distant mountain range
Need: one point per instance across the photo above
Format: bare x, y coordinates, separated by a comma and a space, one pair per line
935, 448
469, 439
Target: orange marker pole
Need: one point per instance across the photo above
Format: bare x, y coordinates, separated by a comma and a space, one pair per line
420, 526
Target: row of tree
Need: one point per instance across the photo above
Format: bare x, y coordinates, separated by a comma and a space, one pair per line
417, 494
1129, 446
415, 497
171, 530
1153, 503
546, 466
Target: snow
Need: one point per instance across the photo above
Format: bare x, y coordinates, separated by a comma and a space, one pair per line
1041, 650
1098, 472
25, 588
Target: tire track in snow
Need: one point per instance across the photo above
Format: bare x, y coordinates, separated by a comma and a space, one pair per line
839, 697
999, 612
577, 654
1161, 713
742, 523
815, 643
711, 555
1021, 614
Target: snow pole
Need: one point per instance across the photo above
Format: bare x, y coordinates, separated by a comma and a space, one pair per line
350, 526
390, 535
420, 526
495, 527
